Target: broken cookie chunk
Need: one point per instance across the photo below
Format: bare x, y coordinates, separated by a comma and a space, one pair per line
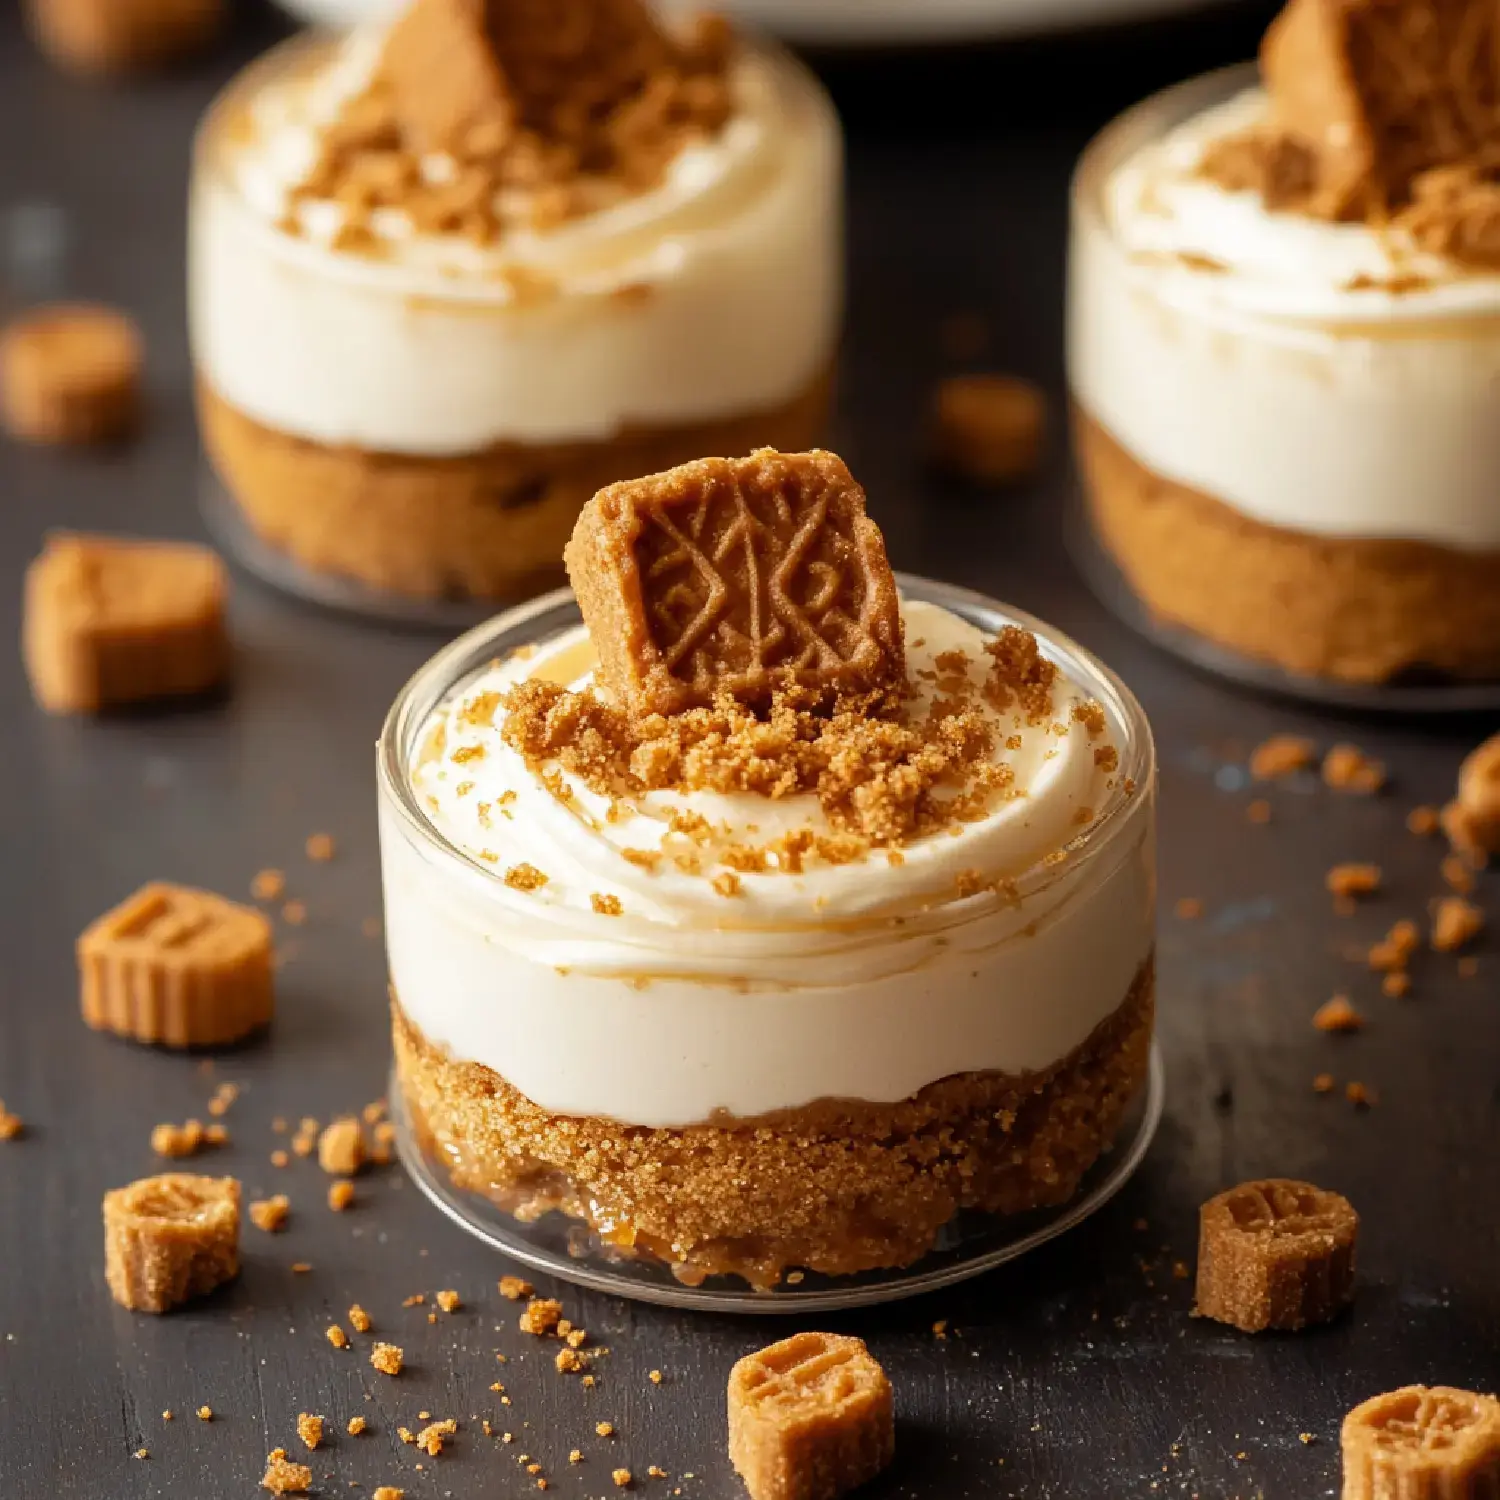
170, 1238
737, 577
1422, 1443
810, 1418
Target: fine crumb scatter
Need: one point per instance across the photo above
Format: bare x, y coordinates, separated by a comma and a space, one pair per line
387, 1358
270, 1214
513, 1288
310, 1429
1338, 1015
337, 1337
1281, 755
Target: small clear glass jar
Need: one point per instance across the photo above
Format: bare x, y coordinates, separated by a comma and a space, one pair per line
1290, 479
483, 1032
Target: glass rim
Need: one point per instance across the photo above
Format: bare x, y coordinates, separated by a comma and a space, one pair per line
480, 290
459, 661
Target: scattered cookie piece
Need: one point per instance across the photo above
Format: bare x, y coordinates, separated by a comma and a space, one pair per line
178, 967
387, 1358
111, 621
1422, 1442
337, 1337
282, 1477
1455, 923
1478, 799
1281, 755
513, 1288
989, 428
356, 1426
1188, 909
1338, 1015
170, 1238
1275, 1253
449, 1301
310, 1429
541, 1316
810, 1418
388, 1492
340, 1195
1395, 950
359, 1319
108, 37
1353, 880
11, 1126
341, 1147
1423, 821
737, 576
1346, 768
70, 373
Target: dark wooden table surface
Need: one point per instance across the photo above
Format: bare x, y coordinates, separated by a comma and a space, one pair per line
1076, 1373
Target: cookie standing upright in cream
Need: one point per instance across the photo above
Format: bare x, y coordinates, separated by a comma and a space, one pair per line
780, 980
1285, 348
429, 322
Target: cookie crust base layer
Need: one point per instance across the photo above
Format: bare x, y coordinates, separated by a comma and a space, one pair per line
1354, 609
490, 524
836, 1186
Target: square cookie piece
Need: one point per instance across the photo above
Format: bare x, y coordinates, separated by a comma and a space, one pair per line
810, 1418
170, 1238
179, 967
110, 622
739, 576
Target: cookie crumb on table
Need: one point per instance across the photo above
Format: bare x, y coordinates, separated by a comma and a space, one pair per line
387, 1358
337, 1337
1422, 1441
170, 1238
1455, 923
11, 1125
341, 1147
340, 1195
1281, 755
310, 1429
1346, 768
270, 1214
1353, 879
989, 428
70, 373
1338, 1015
282, 1477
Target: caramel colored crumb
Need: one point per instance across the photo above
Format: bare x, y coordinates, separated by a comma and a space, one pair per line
359, 1319
320, 847
387, 1358
1455, 923
1353, 879
268, 885
1281, 755
270, 1214
1188, 908
283, 1477
541, 1316
337, 1337
524, 877
178, 1140
340, 1195
70, 373
568, 1361
449, 1301
513, 1288
430, 1438
989, 428
341, 1147
606, 906
1359, 1094
301, 1267
310, 1429
356, 1426
1258, 811
205, 1414
1396, 984
1346, 768
1323, 1083
279, 1158
388, 1492
11, 1126
1338, 1015
654, 1377
170, 1238
604, 1429
621, 1477
1458, 874
1422, 1442
1394, 951
1422, 821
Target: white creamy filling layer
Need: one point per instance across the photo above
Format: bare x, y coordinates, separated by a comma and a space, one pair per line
1290, 368
866, 980
716, 294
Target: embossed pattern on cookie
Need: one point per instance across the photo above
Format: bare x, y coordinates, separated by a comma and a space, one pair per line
810, 1418
737, 576
1275, 1253
1422, 1443
178, 967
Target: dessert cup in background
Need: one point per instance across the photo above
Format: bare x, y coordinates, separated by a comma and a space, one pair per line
1288, 428
748, 1071
418, 404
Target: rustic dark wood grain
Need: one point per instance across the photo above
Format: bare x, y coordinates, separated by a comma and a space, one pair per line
1076, 1374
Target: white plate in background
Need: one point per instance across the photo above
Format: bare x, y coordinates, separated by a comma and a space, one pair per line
860, 22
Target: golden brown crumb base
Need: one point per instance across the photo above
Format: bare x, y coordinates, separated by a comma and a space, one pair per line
836, 1186
1349, 608
491, 524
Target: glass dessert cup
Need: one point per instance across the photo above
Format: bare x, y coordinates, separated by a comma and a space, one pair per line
1079, 1129
1256, 484
410, 433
